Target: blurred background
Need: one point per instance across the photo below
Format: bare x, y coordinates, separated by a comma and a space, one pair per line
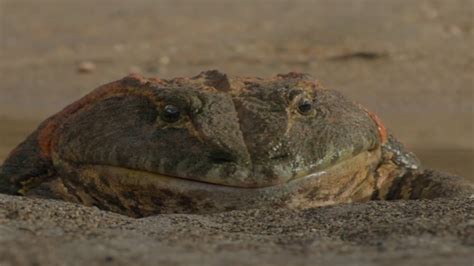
411, 62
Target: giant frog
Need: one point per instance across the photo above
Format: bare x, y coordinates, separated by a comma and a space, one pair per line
214, 143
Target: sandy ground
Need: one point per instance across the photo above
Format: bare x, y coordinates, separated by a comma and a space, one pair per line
409, 61
45, 232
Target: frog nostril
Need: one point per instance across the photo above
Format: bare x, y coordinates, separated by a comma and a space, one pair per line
220, 157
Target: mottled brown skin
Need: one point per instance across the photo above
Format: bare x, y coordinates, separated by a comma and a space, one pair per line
214, 143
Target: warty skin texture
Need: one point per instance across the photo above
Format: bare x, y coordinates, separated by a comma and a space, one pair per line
214, 143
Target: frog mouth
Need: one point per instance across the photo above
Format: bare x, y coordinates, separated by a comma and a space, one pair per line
141, 193
129, 177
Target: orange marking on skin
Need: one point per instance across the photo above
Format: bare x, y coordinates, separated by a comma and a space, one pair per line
156, 80
44, 138
137, 77
380, 126
47, 134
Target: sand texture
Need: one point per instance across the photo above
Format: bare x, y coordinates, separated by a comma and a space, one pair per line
411, 62
47, 232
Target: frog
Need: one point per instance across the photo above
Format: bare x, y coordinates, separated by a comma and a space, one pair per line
214, 142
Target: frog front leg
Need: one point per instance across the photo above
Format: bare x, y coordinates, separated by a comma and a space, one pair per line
401, 176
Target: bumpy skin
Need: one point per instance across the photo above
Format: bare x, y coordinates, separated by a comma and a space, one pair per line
227, 143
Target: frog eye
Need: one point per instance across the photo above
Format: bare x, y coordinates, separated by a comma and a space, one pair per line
305, 106
171, 113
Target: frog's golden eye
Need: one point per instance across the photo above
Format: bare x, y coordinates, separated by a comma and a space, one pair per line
305, 106
170, 113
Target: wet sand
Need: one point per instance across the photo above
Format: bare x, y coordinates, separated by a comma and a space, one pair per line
411, 62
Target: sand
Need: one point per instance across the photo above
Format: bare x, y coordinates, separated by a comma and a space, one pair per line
47, 232
411, 62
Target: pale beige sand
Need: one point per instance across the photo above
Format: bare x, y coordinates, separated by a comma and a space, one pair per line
411, 62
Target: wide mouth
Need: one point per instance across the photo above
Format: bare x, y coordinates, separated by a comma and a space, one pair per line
140, 193
138, 177
226, 173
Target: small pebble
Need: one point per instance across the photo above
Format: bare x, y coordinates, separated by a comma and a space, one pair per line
86, 67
